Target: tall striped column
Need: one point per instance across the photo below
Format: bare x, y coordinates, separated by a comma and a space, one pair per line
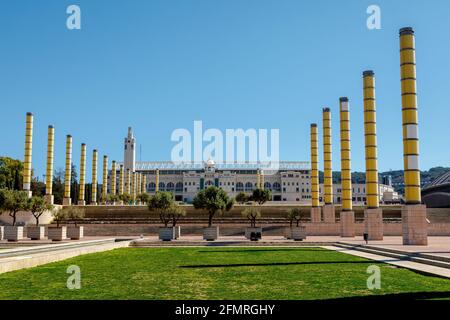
133, 187
328, 209
316, 211
258, 179
28, 154
67, 201
121, 180
113, 177
105, 179
94, 176
373, 215
347, 215
157, 180
413, 213
49, 198
81, 198
144, 183
128, 182
261, 178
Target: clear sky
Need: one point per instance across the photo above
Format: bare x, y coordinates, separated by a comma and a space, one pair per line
158, 65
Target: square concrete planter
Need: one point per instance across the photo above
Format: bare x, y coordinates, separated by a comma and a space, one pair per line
256, 231
288, 233
75, 233
166, 234
57, 233
177, 230
2, 232
298, 233
13, 233
36, 232
211, 233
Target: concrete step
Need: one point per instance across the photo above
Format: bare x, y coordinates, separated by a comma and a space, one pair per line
400, 255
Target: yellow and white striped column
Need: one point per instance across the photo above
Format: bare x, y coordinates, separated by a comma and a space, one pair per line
81, 197
329, 215
128, 182
49, 198
28, 154
105, 179
94, 176
67, 201
316, 211
113, 177
157, 180
373, 215
144, 183
121, 180
413, 213
133, 187
258, 179
347, 215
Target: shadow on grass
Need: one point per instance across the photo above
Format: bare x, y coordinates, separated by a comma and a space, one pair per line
396, 296
271, 250
274, 264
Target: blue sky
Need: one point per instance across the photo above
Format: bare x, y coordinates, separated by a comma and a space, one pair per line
159, 65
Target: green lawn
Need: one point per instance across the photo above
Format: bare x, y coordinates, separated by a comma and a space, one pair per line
217, 273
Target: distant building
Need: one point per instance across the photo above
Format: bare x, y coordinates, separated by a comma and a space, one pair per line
437, 193
387, 193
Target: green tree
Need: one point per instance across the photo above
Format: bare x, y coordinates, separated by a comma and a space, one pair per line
125, 197
162, 203
176, 212
242, 198
294, 214
11, 173
58, 186
37, 207
60, 215
214, 200
261, 196
251, 214
14, 202
75, 214
144, 198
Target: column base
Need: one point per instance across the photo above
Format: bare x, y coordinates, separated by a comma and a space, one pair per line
329, 213
49, 199
81, 203
93, 203
316, 214
67, 201
414, 225
347, 224
373, 223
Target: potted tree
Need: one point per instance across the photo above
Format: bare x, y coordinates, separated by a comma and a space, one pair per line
215, 201
37, 206
74, 214
253, 233
298, 232
14, 202
58, 233
176, 212
162, 203
112, 198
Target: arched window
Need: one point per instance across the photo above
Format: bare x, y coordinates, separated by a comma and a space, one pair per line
209, 183
170, 186
162, 186
249, 186
239, 186
267, 186
179, 187
276, 186
151, 187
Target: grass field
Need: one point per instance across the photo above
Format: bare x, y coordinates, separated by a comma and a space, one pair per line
218, 273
